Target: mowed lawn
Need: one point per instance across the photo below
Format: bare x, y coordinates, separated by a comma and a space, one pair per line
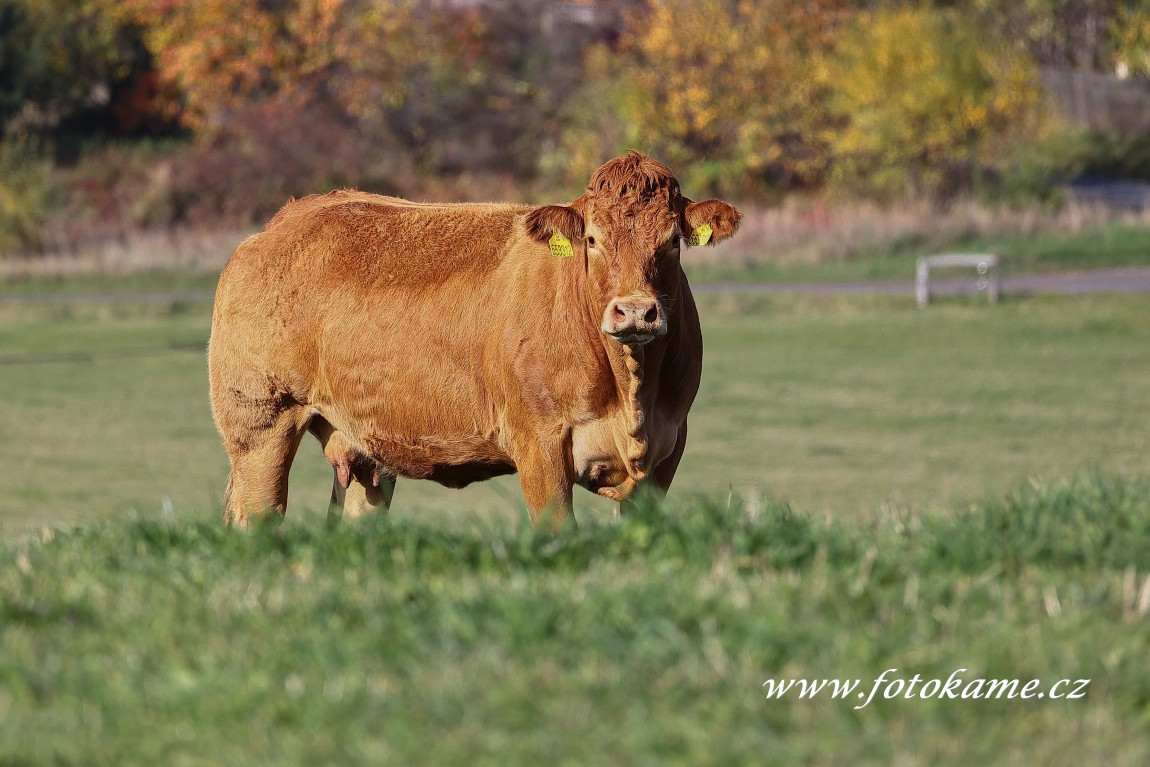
841, 406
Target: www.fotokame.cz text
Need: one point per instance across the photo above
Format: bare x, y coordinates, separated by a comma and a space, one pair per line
954, 687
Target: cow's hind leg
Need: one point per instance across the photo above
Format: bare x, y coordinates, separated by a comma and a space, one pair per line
261, 461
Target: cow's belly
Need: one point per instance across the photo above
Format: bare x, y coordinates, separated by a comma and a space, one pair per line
451, 460
410, 445
431, 423
462, 475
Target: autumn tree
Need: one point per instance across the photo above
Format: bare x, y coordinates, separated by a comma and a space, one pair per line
74, 65
729, 89
923, 96
1073, 34
224, 56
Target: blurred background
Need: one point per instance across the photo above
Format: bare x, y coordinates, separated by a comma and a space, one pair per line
168, 121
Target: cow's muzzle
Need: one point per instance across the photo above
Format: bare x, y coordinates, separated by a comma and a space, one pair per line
634, 321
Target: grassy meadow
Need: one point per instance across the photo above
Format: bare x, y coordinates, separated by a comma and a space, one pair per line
866, 487
840, 406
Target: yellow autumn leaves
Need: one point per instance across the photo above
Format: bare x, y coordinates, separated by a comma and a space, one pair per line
758, 98
732, 88
792, 95
922, 96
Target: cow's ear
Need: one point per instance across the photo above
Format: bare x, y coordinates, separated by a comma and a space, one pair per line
545, 221
722, 218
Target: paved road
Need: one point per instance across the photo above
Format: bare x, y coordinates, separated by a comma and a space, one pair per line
1134, 279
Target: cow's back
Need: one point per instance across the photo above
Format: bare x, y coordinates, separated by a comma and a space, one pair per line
330, 258
376, 312
354, 242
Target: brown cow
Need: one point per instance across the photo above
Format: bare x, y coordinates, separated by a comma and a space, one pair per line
450, 342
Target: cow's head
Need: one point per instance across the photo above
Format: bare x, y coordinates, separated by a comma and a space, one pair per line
629, 227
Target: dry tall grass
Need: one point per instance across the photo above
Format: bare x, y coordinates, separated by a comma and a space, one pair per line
798, 232
802, 232
183, 250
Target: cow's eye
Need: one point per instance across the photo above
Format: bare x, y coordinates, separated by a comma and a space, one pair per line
590, 241
675, 241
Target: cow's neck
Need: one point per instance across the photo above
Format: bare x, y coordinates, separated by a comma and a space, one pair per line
630, 366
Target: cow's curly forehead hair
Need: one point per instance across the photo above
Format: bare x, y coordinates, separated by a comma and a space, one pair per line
635, 192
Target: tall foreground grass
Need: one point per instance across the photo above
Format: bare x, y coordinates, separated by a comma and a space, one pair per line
643, 641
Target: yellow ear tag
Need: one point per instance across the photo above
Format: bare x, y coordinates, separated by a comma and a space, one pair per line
701, 235
560, 246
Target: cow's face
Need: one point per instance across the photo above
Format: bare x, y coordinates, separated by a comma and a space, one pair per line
630, 228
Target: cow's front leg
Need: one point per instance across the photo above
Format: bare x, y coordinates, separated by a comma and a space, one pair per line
547, 478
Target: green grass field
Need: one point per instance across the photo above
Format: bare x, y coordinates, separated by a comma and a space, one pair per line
840, 406
866, 487
28, 286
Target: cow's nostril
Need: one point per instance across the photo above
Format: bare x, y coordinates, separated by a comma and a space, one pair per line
619, 312
652, 313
